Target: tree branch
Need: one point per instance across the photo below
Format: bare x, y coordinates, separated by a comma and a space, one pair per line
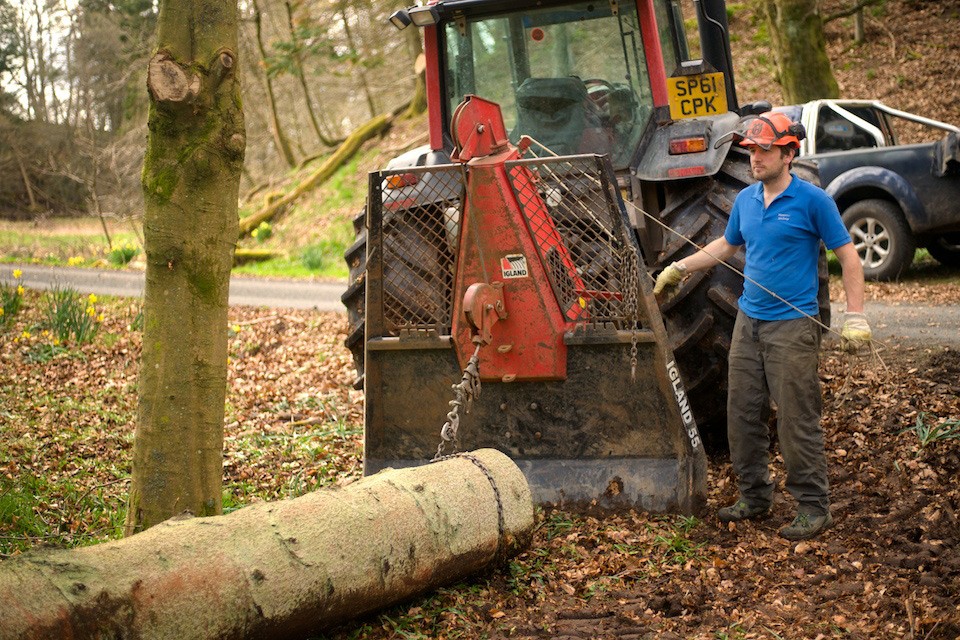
849, 12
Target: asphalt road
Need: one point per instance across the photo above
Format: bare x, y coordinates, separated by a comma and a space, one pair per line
257, 292
933, 324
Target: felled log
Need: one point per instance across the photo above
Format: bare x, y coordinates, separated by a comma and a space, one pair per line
279, 569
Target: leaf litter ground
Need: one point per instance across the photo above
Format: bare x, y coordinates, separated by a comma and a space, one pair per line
888, 569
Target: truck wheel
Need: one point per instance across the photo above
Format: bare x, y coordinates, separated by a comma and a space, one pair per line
946, 249
700, 316
881, 237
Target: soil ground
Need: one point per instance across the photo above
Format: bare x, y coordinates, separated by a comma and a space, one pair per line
889, 568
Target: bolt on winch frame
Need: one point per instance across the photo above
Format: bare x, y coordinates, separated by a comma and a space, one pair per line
523, 274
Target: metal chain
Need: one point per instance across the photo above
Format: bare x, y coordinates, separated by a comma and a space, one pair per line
465, 391
501, 520
631, 302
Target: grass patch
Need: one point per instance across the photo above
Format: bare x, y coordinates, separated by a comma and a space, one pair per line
60, 246
930, 433
72, 317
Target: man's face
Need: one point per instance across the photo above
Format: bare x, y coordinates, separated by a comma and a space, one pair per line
769, 164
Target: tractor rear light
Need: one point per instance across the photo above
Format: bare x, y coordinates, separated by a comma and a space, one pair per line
400, 180
694, 144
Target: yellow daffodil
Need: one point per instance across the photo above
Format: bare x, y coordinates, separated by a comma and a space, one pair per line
91, 311
25, 335
20, 290
2, 311
17, 273
92, 298
100, 318
236, 328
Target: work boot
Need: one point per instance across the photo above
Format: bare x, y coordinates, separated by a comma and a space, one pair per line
741, 510
806, 525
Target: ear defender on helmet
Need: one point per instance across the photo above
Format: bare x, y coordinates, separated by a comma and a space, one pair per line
797, 130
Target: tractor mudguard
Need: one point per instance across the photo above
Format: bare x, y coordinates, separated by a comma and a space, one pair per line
656, 165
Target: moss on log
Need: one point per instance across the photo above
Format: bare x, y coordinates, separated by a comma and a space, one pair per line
281, 569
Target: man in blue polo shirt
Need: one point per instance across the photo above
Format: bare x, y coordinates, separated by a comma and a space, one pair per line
774, 353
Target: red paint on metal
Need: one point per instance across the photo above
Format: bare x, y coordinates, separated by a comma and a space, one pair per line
478, 129
483, 307
528, 344
686, 172
651, 49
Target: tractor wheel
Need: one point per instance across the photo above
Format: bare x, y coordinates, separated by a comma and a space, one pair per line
416, 282
881, 237
354, 297
699, 317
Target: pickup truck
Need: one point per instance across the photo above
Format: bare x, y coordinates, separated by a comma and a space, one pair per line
893, 197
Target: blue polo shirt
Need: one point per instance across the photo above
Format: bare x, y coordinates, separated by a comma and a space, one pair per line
783, 245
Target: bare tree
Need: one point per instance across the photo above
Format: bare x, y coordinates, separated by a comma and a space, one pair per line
191, 178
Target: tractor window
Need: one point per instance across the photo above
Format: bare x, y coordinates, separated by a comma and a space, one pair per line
673, 38
572, 77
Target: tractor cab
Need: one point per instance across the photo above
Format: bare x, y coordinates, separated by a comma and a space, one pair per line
574, 77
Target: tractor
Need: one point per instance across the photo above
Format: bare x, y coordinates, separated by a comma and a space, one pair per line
572, 152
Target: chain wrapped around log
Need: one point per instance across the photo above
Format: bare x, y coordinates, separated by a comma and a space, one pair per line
278, 569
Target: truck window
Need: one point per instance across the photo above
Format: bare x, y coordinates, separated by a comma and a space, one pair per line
836, 133
573, 77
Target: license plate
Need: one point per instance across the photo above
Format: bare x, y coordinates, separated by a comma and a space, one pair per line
697, 96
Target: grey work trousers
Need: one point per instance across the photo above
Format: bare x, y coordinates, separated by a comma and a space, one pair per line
778, 360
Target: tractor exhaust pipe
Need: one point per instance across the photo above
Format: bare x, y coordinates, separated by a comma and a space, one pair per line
715, 43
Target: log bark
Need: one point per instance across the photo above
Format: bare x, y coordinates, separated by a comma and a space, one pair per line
281, 569
323, 173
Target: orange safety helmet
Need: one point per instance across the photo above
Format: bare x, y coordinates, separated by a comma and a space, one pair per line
766, 130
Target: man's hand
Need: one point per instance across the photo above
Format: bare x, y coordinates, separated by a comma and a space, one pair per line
855, 334
668, 278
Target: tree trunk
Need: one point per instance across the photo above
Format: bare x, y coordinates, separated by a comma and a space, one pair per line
800, 49
343, 153
283, 145
278, 569
357, 60
300, 72
191, 179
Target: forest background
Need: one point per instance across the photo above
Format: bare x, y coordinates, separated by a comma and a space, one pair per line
73, 106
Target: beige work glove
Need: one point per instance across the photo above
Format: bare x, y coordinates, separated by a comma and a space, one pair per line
855, 334
668, 278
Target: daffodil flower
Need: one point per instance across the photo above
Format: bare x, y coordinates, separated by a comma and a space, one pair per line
17, 273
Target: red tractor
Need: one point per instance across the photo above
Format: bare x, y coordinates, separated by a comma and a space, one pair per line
572, 152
